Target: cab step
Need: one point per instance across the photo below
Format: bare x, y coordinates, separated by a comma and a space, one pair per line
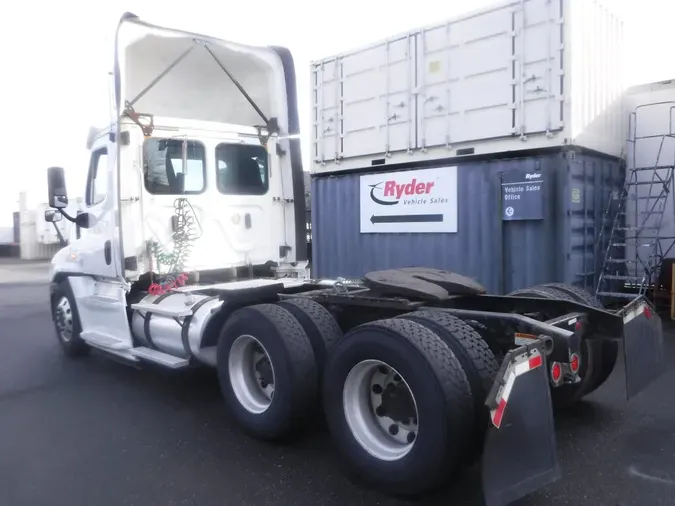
159, 357
98, 338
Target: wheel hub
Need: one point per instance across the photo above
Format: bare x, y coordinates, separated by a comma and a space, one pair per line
63, 318
380, 410
251, 374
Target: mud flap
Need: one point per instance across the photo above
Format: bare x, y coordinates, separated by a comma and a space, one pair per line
642, 346
520, 453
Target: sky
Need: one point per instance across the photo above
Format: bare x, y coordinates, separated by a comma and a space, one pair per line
55, 58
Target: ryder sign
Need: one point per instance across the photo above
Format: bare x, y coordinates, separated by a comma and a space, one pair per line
412, 201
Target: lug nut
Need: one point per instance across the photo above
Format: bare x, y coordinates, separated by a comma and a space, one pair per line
263, 384
377, 389
411, 437
380, 411
393, 429
383, 370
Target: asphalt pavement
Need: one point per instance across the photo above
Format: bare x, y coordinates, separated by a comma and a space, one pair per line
94, 432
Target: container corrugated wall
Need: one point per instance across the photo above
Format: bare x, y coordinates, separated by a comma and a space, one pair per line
502, 255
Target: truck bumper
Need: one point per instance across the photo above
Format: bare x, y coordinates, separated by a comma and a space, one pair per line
520, 453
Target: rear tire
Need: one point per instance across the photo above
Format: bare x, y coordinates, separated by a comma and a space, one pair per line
441, 397
476, 359
67, 321
591, 352
610, 349
319, 325
267, 371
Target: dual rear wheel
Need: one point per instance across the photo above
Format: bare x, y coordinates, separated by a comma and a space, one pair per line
403, 398
598, 357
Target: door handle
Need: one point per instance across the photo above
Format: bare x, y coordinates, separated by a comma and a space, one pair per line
107, 252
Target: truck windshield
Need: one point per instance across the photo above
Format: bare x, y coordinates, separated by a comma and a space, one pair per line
242, 169
163, 170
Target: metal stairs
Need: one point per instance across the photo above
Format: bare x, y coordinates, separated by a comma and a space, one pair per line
634, 251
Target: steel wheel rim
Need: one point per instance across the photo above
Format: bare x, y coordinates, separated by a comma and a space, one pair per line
250, 369
363, 401
64, 319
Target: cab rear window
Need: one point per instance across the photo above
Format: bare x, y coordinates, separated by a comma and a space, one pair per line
174, 166
242, 169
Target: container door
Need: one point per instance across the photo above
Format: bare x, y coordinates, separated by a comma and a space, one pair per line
486, 76
364, 102
538, 77
466, 79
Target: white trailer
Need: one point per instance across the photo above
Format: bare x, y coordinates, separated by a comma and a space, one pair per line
523, 75
191, 253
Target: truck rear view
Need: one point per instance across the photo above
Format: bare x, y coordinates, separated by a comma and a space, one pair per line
418, 370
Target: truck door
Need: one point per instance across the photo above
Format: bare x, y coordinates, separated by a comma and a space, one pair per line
98, 247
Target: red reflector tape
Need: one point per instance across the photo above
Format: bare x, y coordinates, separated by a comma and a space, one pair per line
647, 312
498, 414
536, 362
514, 370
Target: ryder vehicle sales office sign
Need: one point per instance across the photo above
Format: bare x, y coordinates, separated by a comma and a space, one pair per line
413, 201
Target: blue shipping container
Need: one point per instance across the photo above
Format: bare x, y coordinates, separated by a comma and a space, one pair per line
555, 238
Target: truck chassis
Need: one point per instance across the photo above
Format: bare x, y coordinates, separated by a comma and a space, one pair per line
419, 372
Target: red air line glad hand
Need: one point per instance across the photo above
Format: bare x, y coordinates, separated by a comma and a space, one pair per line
167, 286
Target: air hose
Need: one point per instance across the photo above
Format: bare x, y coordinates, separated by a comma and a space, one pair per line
186, 230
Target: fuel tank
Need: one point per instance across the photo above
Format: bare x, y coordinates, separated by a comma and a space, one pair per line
180, 337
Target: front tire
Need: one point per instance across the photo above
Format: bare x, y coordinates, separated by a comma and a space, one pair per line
67, 321
267, 371
421, 393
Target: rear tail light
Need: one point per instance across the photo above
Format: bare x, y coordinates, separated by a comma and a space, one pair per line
556, 373
575, 363
647, 312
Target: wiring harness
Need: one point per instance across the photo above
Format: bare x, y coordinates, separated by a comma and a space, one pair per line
186, 230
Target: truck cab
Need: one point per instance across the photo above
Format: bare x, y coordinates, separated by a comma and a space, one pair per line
199, 169
194, 181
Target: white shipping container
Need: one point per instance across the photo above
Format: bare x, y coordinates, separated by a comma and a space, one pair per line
523, 75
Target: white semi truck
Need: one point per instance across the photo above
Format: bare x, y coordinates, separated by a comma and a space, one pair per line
190, 251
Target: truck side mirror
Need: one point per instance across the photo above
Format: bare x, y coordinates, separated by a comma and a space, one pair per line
85, 220
56, 184
52, 216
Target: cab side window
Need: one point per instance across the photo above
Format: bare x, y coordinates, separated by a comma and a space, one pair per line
97, 181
